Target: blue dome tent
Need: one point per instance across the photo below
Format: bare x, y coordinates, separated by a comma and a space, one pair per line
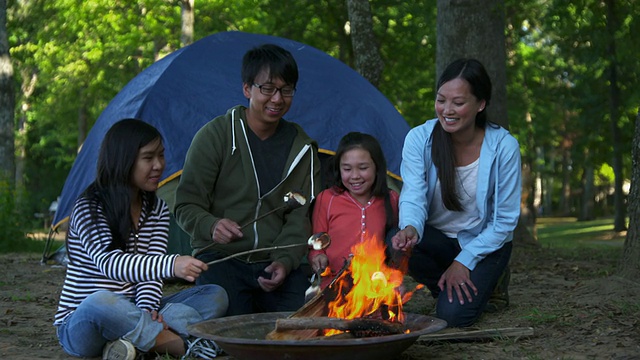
189, 87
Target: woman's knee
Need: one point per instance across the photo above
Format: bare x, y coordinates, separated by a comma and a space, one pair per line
457, 315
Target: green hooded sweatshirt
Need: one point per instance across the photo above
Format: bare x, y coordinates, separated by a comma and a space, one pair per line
219, 181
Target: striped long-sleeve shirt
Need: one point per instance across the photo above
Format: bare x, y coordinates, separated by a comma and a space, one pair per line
136, 272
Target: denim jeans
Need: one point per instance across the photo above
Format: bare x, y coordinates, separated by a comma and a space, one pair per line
434, 254
240, 280
431, 257
106, 316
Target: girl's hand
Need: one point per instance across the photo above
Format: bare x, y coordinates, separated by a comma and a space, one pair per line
189, 268
456, 278
319, 262
156, 316
405, 239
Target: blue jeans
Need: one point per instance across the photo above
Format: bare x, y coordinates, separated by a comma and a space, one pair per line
106, 316
240, 280
434, 254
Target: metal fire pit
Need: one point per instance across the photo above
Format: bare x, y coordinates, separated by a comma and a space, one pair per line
243, 337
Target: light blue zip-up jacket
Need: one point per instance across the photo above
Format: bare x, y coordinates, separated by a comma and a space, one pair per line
497, 196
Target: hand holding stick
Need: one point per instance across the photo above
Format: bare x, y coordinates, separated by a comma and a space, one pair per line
318, 241
292, 200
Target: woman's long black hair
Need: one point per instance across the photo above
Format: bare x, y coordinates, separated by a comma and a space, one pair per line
472, 71
112, 188
380, 188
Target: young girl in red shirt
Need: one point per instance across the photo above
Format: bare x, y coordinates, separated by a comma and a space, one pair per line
357, 205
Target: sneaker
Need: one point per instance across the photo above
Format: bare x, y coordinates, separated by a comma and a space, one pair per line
119, 350
202, 349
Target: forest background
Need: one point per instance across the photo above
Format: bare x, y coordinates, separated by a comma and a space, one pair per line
571, 80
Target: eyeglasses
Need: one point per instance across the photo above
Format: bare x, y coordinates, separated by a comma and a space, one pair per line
270, 90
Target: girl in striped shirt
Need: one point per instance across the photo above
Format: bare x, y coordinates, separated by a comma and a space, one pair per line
112, 301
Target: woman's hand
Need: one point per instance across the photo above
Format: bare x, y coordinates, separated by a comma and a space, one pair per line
188, 268
405, 239
456, 278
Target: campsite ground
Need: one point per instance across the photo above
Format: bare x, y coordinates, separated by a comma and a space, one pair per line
576, 308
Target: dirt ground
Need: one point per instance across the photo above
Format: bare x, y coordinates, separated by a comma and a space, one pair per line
575, 308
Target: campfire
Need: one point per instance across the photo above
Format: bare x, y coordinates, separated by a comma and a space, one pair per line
358, 317
363, 300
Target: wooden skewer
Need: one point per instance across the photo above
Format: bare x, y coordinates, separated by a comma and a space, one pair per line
476, 334
253, 251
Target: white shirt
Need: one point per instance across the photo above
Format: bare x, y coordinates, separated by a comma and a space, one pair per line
451, 222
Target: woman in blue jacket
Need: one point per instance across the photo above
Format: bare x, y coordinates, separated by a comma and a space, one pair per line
460, 199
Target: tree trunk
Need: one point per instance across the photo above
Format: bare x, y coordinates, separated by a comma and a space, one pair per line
7, 102
471, 28
588, 190
29, 82
368, 61
619, 221
629, 266
481, 37
565, 196
186, 34
82, 125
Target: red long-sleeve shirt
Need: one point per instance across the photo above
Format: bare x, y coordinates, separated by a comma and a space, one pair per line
347, 222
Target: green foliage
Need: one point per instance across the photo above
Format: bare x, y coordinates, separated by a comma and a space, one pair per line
72, 57
12, 234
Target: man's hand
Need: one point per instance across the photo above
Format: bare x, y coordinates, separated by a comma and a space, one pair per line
405, 239
188, 268
225, 231
278, 274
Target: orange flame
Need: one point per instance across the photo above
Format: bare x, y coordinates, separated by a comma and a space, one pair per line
368, 287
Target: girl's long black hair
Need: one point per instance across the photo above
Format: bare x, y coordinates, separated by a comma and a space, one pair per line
380, 188
112, 189
472, 71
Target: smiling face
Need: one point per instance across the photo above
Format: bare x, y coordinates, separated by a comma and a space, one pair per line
148, 167
358, 173
265, 111
457, 107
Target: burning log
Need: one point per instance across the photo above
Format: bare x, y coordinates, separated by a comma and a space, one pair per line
316, 307
363, 325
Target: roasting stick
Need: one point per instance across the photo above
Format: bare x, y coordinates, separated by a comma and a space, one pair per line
317, 241
292, 200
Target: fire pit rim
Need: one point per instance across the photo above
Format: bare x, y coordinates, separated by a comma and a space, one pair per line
436, 325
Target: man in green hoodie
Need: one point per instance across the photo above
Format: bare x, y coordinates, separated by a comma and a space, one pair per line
239, 166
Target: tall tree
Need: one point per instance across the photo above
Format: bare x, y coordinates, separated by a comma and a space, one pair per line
619, 221
7, 101
365, 47
481, 35
188, 20
629, 266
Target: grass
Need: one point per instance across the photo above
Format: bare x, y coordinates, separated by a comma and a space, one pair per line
567, 232
31, 242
